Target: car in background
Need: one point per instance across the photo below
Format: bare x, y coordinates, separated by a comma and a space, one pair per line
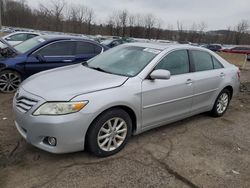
213, 47
238, 50
129, 89
42, 53
18, 37
110, 43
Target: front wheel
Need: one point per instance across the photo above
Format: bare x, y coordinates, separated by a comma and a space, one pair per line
9, 81
221, 103
109, 133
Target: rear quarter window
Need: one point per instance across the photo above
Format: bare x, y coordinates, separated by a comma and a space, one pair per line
217, 64
87, 48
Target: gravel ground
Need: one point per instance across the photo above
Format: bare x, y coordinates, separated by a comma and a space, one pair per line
196, 152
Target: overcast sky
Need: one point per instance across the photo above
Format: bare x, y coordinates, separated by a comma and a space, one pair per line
217, 14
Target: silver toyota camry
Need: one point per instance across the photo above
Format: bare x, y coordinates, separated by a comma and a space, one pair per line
99, 104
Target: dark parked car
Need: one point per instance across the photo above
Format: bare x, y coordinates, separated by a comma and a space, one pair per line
110, 43
42, 53
213, 47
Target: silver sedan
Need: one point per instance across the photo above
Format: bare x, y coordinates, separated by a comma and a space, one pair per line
99, 104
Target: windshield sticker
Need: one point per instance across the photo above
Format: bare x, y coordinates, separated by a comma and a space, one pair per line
151, 50
41, 40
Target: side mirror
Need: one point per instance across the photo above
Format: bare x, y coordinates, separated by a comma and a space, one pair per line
40, 57
160, 74
8, 38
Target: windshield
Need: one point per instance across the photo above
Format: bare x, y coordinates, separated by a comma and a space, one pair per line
124, 60
29, 44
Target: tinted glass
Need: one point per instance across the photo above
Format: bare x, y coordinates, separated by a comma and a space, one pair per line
127, 61
87, 48
202, 61
58, 49
176, 62
29, 36
217, 64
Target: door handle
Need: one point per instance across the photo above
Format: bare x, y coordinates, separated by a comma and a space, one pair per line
189, 81
222, 75
67, 60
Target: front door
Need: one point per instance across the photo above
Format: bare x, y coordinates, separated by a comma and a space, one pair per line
54, 55
167, 100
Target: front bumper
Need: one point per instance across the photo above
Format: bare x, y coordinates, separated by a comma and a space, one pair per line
69, 130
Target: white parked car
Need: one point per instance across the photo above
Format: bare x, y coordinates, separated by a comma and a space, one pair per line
18, 37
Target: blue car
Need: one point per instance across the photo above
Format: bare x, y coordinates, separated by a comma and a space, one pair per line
42, 53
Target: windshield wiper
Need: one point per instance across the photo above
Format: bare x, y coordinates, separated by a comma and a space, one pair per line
98, 69
85, 63
95, 68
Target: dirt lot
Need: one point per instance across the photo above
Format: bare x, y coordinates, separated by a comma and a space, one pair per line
197, 152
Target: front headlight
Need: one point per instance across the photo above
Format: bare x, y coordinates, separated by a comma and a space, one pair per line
60, 108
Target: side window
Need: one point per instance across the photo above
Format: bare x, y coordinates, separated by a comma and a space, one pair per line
176, 62
202, 60
217, 64
87, 48
29, 36
64, 48
18, 37
116, 43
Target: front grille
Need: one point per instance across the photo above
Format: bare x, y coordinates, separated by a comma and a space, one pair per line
24, 104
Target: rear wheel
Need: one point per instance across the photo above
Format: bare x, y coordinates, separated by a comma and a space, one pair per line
221, 103
9, 81
109, 133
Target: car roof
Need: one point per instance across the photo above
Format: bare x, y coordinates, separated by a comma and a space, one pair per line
159, 46
23, 32
63, 37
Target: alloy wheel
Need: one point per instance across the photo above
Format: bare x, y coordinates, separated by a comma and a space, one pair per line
112, 134
222, 103
9, 82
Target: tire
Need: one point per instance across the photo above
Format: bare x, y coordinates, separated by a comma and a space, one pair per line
101, 138
221, 104
9, 81
248, 57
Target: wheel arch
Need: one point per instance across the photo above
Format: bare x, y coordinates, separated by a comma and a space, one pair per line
127, 109
14, 70
230, 89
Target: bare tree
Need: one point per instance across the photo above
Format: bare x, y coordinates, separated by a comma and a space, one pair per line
158, 29
181, 33
201, 29
89, 18
131, 21
111, 25
241, 28
149, 21
123, 16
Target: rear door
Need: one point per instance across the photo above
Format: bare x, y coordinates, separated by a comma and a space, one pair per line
55, 54
86, 51
208, 76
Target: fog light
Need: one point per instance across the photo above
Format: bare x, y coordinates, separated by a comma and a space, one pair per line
52, 141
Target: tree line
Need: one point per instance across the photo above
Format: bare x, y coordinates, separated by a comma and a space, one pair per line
62, 17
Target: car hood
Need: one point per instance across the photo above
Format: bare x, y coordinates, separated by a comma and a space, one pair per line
63, 84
